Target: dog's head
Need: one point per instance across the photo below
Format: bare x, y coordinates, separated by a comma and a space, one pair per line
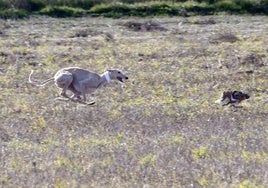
117, 74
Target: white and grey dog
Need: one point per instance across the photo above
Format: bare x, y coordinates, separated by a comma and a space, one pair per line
80, 81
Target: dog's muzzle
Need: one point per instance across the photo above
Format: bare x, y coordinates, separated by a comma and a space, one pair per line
121, 79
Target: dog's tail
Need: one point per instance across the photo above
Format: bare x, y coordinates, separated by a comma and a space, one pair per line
38, 84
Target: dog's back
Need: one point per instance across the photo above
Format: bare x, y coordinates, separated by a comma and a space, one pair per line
81, 74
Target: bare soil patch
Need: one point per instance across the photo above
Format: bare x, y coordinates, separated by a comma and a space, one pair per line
143, 26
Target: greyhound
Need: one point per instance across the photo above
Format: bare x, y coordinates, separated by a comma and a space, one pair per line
80, 81
232, 97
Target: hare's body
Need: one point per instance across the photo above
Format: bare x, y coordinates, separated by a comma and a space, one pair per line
232, 97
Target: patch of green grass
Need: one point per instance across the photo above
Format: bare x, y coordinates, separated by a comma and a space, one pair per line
198, 8
142, 8
228, 6
175, 140
248, 184
13, 13
148, 160
115, 11
251, 157
62, 11
201, 153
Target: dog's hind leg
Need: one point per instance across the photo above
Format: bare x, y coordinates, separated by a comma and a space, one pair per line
63, 80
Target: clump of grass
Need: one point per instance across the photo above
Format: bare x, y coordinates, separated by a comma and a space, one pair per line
13, 13
175, 140
110, 10
35, 5
200, 153
228, 6
237, 6
139, 8
62, 11
253, 59
199, 8
148, 160
248, 184
115, 11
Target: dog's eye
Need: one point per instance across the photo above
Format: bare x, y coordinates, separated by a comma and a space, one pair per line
118, 72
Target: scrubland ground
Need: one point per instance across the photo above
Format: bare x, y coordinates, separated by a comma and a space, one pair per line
159, 129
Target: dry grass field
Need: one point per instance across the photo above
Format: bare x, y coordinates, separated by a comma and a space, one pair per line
161, 128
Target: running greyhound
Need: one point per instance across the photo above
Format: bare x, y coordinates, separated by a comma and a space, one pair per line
80, 81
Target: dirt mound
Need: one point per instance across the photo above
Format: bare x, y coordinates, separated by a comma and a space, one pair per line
201, 21
253, 59
143, 26
224, 37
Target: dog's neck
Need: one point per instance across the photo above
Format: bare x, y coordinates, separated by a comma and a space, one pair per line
107, 76
104, 78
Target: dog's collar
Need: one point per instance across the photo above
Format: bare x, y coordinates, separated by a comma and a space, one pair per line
107, 76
